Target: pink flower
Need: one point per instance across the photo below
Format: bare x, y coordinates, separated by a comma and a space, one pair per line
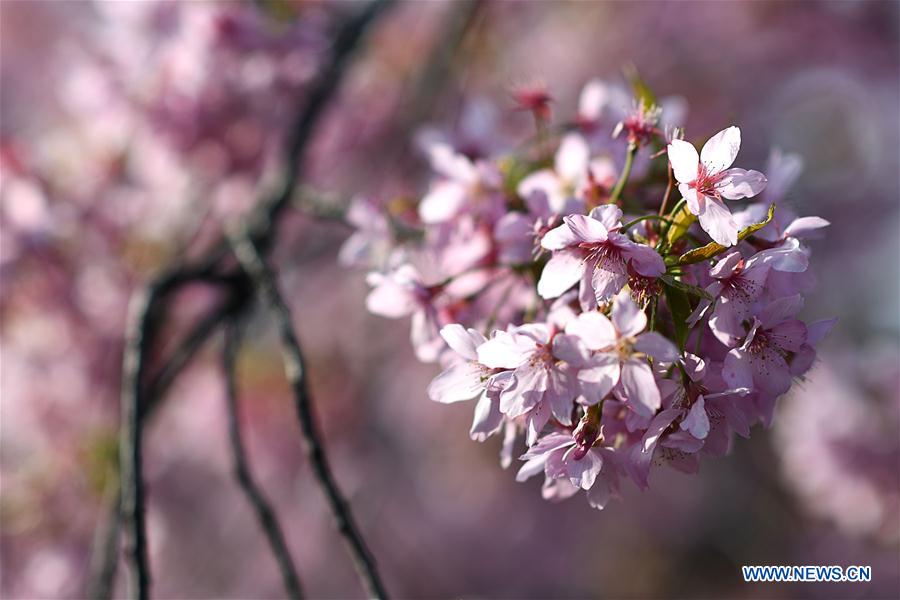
561, 457
543, 378
705, 180
570, 177
760, 363
464, 185
401, 293
621, 355
592, 250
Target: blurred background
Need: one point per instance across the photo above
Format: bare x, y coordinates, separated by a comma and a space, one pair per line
131, 130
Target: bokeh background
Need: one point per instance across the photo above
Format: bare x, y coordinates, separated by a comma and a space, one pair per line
132, 130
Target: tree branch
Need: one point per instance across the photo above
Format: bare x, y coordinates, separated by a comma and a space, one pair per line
146, 303
253, 263
268, 522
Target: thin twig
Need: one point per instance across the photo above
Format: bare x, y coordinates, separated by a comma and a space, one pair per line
253, 263
268, 522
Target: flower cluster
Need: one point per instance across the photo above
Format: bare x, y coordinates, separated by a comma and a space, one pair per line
563, 288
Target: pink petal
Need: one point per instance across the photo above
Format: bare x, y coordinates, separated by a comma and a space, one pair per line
626, 316
505, 350
738, 183
487, 419
570, 349
788, 335
586, 228
655, 345
584, 472
805, 227
697, 421
770, 372
572, 158
640, 387
444, 201
561, 272
559, 238
599, 377
544, 182
781, 309
716, 220
736, 370
463, 381
684, 159
720, 151
817, 330
695, 202
607, 278
594, 329
463, 341
451, 164
608, 214
644, 259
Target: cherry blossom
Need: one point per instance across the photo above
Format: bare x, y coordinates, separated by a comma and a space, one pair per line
704, 180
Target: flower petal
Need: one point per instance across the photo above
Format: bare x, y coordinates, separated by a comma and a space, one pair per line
572, 158
640, 387
586, 228
657, 346
716, 220
559, 238
738, 183
697, 421
463, 381
444, 201
594, 329
463, 341
561, 272
720, 151
626, 316
684, 159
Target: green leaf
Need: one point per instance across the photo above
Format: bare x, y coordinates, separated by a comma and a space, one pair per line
687, 288
680, 225
712, 249
680, 307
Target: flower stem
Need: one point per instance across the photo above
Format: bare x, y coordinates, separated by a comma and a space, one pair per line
665, 200
626, 171
634, 222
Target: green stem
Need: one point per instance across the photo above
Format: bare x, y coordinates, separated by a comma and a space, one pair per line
665, 235
626, 172
634, 222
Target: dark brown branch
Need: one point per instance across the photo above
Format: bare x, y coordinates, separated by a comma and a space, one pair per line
130, 460
268, 522
264, 280
146, 304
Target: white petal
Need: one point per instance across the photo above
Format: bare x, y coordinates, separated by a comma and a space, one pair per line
720, 151
464, 342
443, 202
738, 183
561, 272
684, 159
572, 158
505, 350
586, 228
460, 382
